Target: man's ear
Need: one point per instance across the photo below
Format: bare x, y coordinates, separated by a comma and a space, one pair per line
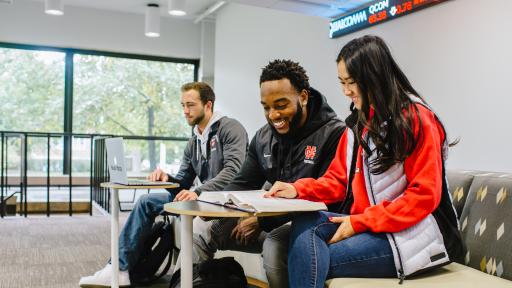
304, 97
209, 105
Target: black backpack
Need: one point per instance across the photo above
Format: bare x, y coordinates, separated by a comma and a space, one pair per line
156, 252
214, 273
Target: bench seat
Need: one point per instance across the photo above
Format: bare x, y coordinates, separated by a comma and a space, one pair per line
454, 275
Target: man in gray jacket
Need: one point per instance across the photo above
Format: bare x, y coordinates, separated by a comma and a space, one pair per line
214, 154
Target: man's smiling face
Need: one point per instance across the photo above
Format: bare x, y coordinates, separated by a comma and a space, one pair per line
282, 105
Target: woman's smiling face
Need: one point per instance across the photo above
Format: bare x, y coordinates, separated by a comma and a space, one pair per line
349, 86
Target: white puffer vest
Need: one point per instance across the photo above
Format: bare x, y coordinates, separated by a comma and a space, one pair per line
416, 248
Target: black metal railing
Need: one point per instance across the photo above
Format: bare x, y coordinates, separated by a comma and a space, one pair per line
100, 175
98, 171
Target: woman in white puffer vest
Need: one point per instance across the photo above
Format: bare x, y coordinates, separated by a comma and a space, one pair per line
389, 170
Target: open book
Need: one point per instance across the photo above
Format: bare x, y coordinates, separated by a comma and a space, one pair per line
254, 202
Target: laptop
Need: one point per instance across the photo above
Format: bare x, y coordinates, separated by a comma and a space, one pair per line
117, 167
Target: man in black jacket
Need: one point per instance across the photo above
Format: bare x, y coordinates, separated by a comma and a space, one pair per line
213, 154
299, 141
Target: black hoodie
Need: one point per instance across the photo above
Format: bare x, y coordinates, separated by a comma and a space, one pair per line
307, 153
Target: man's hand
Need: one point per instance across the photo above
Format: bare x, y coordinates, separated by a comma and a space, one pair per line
345, 230
158, 175
281, 189
185, 195
246, 231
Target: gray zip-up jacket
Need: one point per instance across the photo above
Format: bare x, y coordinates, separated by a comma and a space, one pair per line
225, 153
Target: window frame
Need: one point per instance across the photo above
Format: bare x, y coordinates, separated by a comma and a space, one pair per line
69, 79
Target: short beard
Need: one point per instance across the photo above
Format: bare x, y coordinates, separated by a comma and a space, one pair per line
294, 123
197, 120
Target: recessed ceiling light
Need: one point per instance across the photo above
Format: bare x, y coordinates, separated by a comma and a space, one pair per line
53, 7
177, 7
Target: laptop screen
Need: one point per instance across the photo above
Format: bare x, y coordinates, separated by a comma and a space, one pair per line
115, 160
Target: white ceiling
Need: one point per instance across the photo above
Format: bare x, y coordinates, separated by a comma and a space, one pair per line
321, 8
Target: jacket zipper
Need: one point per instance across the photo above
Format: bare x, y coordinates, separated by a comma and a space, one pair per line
401, 275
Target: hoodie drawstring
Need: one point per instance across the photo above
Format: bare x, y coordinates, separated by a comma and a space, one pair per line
198, 145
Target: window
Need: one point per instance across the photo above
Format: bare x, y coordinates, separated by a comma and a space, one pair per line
55, 90
132, 97
31, 90
129, 96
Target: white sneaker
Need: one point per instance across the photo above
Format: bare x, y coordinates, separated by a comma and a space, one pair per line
103, 278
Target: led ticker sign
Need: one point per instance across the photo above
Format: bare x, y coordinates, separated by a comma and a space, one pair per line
376, 13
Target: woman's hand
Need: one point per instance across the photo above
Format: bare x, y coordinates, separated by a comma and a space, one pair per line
345, 230
281, 189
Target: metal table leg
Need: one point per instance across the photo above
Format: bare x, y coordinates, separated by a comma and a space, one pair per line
114, 236
186, 251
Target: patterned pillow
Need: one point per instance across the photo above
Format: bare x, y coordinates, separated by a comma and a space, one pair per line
486, 224
459, 182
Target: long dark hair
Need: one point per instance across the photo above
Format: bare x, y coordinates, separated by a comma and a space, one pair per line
384, 86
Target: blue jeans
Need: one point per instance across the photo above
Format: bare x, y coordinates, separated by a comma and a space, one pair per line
311, 260
138, 227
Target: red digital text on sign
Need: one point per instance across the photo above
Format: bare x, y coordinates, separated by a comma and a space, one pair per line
420, 2
377, 17
404, 7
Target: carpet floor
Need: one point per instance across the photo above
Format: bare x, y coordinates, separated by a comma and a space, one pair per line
55, 251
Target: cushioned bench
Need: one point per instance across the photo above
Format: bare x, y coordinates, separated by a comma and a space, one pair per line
454, 275
482, 199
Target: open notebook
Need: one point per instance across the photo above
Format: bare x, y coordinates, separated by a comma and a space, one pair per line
254, 202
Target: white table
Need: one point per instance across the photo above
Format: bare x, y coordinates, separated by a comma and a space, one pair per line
114, 222
189, 209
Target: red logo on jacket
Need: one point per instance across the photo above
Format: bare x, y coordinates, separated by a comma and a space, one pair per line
310, 152
213, 143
